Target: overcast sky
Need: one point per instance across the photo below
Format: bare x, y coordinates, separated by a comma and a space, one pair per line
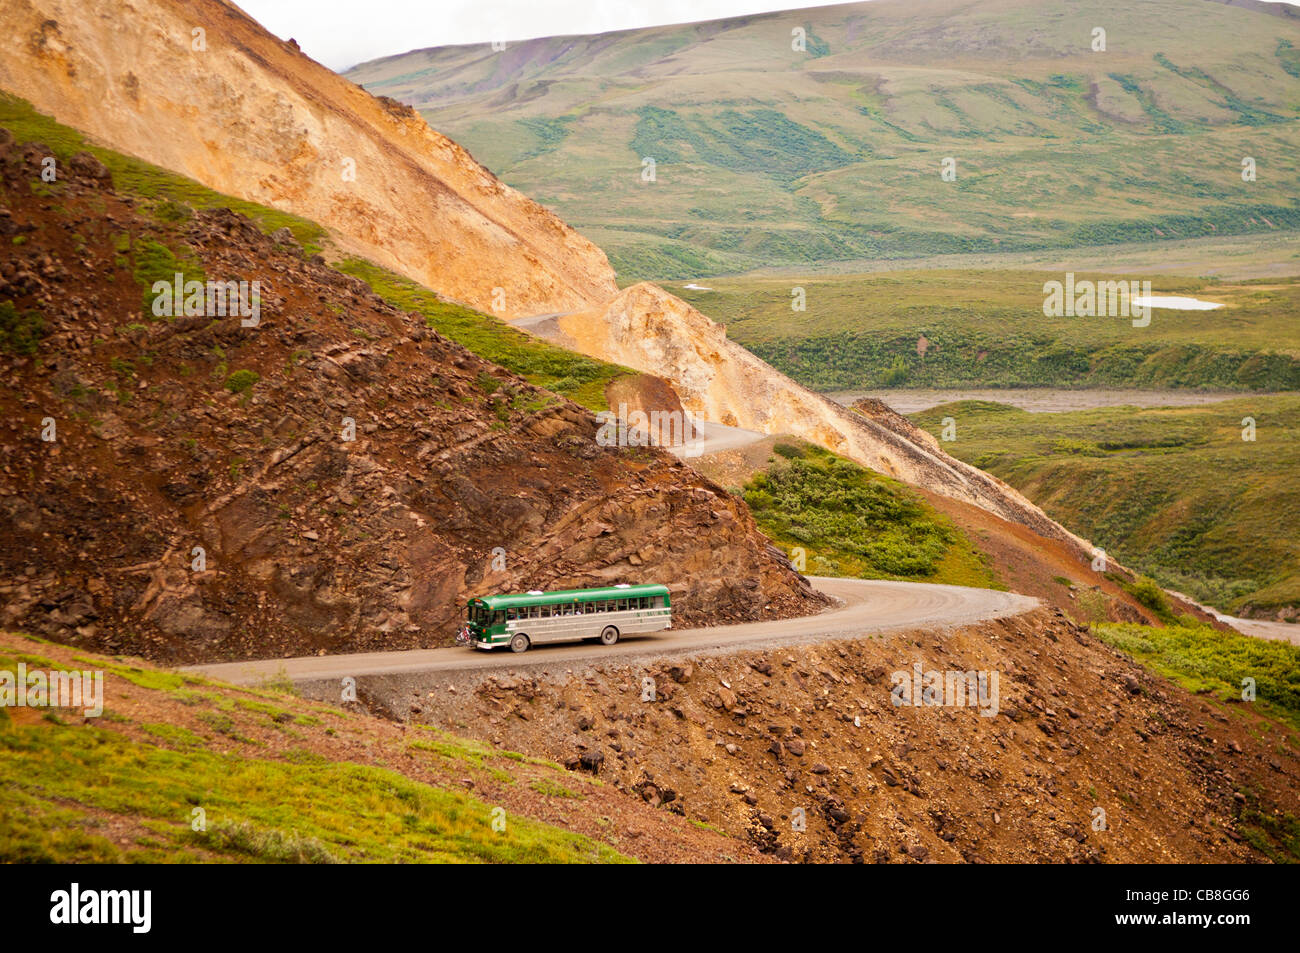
342, 33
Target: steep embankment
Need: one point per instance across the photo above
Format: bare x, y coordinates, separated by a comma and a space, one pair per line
202, 89
1084, 756
333, 478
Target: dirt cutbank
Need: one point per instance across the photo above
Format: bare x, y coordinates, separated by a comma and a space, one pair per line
745, 741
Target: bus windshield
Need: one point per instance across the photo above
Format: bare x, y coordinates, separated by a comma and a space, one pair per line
483, 617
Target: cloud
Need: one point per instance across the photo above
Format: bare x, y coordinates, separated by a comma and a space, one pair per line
342, 33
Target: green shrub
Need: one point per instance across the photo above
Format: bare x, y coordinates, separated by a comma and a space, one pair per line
20, 331
788, 450
1148, 592
241, 382
1201, 657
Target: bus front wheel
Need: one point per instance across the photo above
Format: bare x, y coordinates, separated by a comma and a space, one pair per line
519, 643
609, 635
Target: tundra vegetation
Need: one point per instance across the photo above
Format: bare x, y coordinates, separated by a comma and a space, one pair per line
951, 328
773, 157
851, 521
1174, 492
180, 769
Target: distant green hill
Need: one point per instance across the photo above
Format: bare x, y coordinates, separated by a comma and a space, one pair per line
767, 156
1173, 492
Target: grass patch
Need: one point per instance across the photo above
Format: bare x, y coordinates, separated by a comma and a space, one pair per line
581, 379
853, 522
64, 785
553, 789
155, 262
174, 195
20, 331
1202, 658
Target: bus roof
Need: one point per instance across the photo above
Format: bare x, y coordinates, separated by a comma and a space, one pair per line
570, 595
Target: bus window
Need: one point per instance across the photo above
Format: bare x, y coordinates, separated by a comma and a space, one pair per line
622, 605
545, 611
498, 617
510, 614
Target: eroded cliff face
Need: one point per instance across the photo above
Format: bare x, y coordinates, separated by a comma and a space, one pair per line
251, 116
646, 328
336, 478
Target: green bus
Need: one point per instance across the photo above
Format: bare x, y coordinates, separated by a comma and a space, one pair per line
569, 615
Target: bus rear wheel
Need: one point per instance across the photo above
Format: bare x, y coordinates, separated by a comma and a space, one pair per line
608, 635
519, 643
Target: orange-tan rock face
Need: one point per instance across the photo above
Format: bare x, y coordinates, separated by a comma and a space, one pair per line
251, 116
647, 328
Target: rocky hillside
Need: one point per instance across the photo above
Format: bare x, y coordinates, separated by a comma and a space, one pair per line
336, 478
1086, 757
251, 116
122, 788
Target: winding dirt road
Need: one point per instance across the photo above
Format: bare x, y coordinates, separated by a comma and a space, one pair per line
866, 607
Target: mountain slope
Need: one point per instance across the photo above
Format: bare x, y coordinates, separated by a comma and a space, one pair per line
646, 328
347, 475
642, 328
767, 156
252, 117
